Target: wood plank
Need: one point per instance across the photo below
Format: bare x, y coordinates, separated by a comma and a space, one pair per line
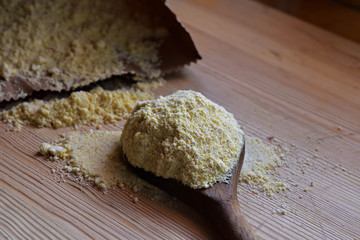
335, 16
280, 77
35, 205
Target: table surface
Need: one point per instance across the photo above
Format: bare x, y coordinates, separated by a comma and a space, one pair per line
280, 77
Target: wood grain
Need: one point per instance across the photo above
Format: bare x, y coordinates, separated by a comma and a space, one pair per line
335, 16
280, 77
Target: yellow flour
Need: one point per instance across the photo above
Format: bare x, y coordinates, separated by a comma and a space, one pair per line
260, 165
73, 43
95, 107
184, 136
95, 156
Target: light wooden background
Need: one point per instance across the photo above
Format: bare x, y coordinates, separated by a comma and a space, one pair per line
280, 77
333, 15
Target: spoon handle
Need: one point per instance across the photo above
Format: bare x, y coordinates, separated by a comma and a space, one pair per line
231, 222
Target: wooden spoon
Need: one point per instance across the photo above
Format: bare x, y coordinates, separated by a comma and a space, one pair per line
218, 202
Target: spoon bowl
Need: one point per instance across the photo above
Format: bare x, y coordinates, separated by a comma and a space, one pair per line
218, 202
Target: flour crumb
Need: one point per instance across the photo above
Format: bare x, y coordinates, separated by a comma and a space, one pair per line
281, 211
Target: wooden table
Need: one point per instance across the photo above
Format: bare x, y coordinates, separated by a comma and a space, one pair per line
280, 77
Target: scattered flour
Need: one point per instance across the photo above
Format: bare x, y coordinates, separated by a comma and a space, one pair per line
96, 107
260, 167
96, 156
